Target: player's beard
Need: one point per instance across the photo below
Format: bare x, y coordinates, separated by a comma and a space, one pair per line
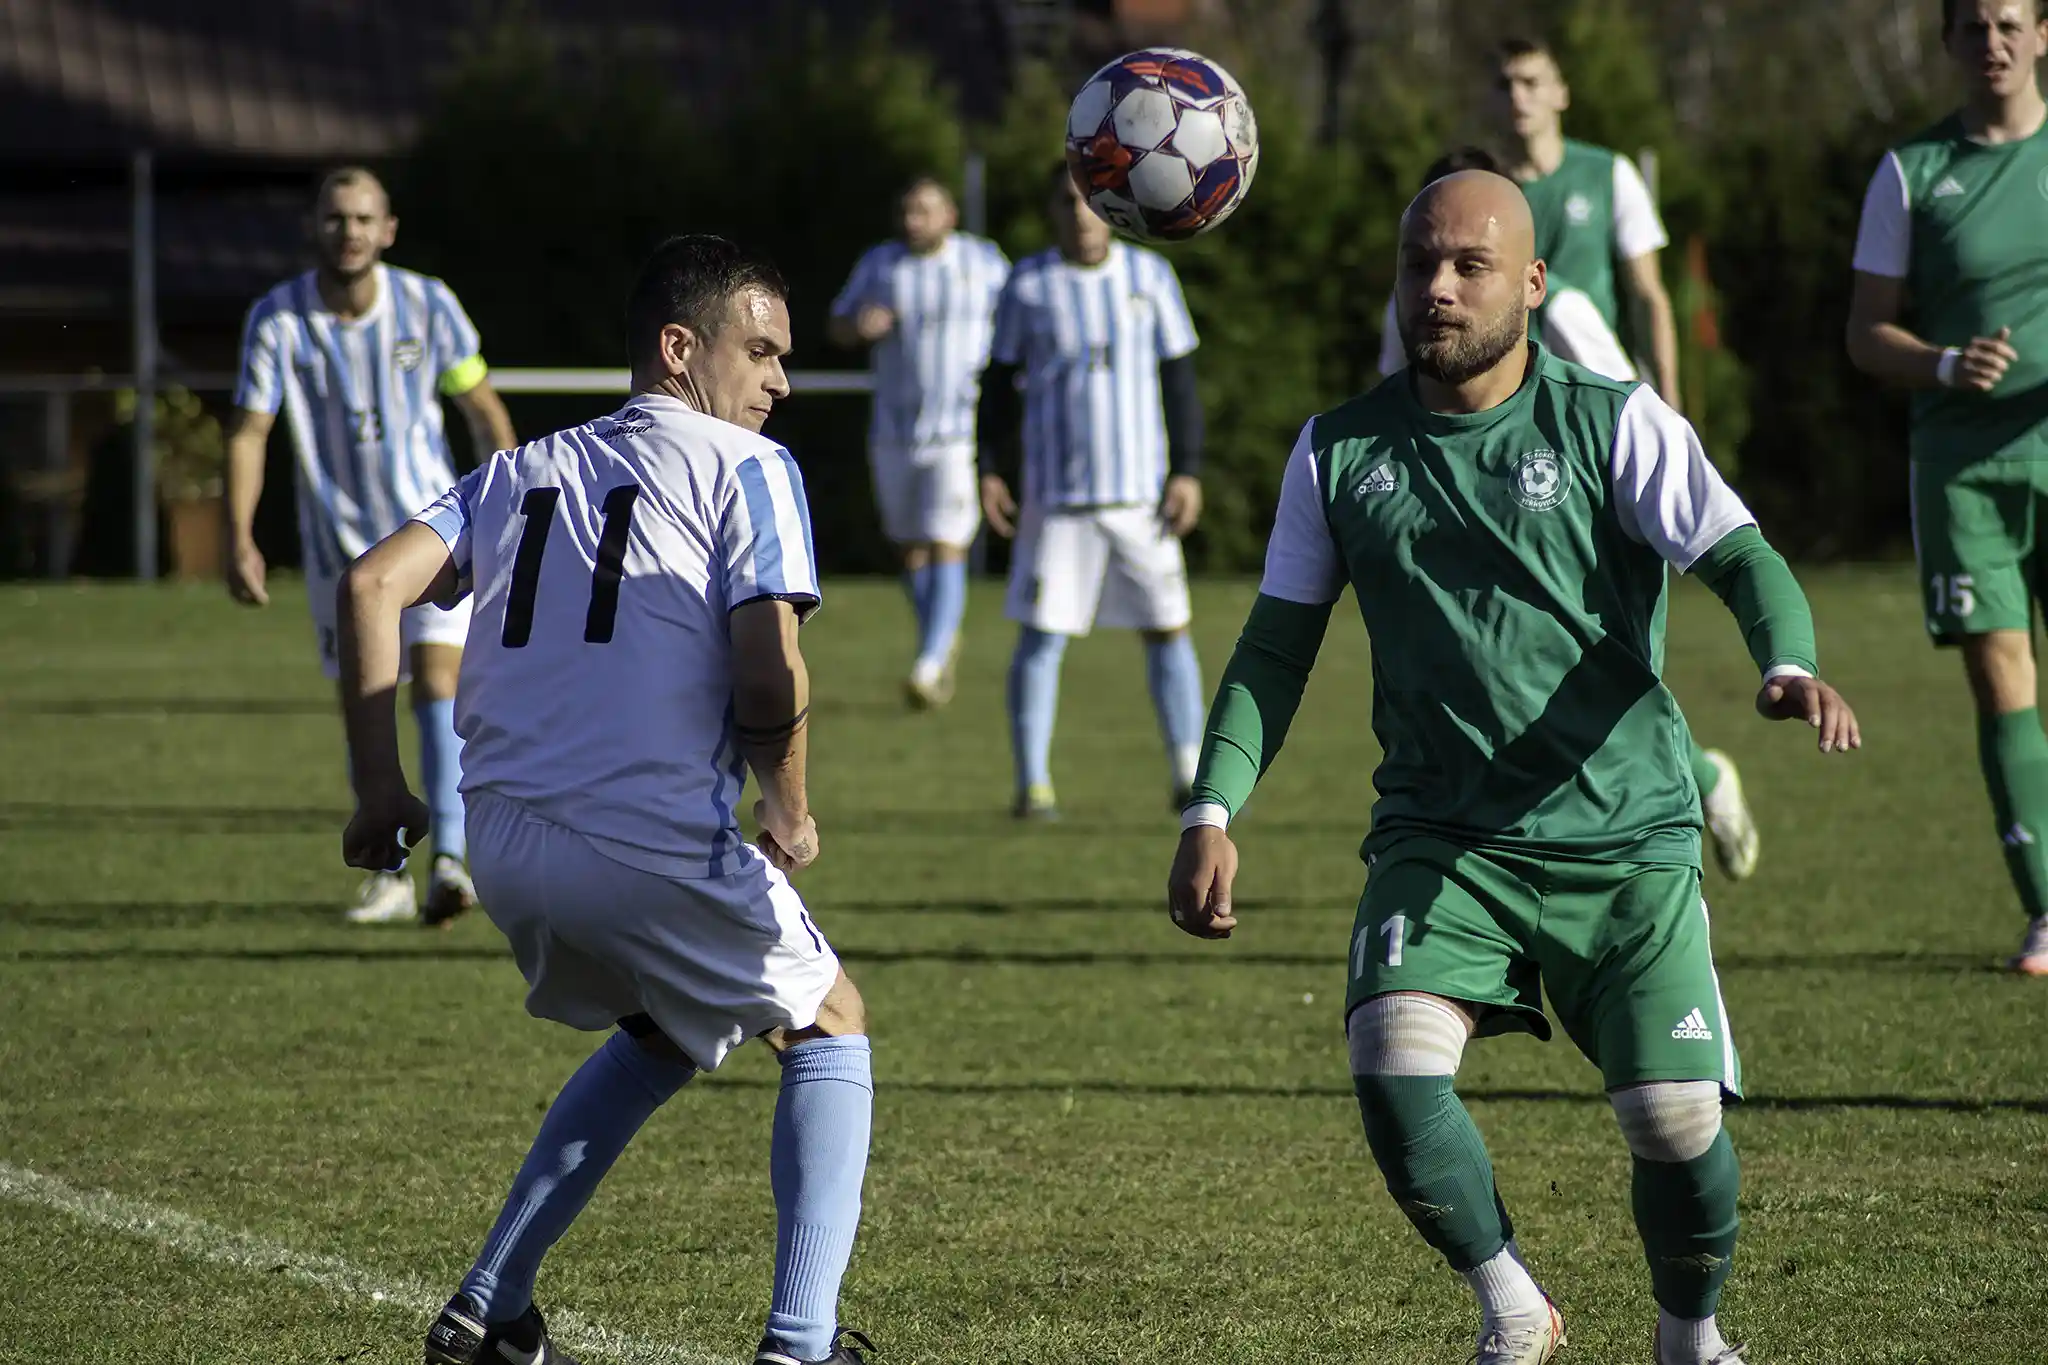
1461, 354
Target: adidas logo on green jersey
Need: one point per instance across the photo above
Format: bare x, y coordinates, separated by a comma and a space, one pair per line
1381, 480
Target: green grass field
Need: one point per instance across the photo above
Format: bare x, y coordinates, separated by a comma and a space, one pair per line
228, 1121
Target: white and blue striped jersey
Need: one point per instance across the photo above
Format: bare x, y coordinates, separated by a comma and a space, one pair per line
605, 560
361, 398
927, 371
1090, 340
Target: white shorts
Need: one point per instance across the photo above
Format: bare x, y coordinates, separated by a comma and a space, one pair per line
714, 961
1116, 566
427, 625
931, 495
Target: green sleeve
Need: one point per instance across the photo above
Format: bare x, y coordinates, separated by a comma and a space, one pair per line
1256, 700
1757, 584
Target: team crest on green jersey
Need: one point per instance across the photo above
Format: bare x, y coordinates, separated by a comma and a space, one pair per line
1540, 480
408, 353
1579, 210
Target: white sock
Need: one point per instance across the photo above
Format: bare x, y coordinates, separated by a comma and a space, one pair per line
1687, 1341
1507, 1296
1185, 759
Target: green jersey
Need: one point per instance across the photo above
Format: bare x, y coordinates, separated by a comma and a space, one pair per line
1965, 225
1510, 568
1591, 210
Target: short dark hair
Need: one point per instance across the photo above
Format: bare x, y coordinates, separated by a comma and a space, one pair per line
1466, 158
688, 280
925, 182
1948, 15
1520, 46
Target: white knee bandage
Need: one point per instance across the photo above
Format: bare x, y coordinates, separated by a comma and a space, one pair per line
1406, 1035
1669, 1120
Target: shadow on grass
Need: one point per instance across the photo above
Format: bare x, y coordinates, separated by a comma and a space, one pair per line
148, 707
1481, 1095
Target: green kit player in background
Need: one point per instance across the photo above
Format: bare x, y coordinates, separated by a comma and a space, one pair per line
1505, 520
1951, 300
1597, 227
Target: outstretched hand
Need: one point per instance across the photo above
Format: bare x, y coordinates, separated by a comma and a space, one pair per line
1198, 888
1813, 701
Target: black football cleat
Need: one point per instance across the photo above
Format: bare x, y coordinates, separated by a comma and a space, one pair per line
852, 1348
461, 1337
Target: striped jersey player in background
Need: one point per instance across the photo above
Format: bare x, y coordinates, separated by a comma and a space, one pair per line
1951, 301
924, 304
1112, 442
358, 355
639, 581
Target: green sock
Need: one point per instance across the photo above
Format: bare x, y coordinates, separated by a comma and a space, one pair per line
1704, 774
1685, 1212
1435, 1164
2014, 754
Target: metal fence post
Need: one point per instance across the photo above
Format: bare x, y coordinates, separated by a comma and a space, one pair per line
143, 281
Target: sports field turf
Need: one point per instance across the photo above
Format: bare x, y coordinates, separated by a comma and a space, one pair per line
227, 1120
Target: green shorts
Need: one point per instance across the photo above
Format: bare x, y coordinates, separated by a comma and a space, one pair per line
1622, 949
1978, 532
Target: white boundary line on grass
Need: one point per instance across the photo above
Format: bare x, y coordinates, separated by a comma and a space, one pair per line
201, 1240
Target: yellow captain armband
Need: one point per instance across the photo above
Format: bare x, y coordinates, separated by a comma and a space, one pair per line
461, 378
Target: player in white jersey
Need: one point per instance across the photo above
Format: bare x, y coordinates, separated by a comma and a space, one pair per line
638, 582
925, 305
357, 354
1112, 435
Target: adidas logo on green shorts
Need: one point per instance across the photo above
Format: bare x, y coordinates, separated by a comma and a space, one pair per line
1694, 1025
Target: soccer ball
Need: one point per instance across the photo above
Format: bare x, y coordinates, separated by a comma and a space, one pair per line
1162, 144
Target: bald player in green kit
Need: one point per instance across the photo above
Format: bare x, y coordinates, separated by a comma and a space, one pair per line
1951, 301
1506, 521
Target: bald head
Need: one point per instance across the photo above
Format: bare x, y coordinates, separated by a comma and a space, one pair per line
1468, 275
1473, 207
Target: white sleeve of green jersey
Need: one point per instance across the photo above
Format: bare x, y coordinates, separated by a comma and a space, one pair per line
1302, 563
1884, 239
1393, 355
1638, 230
1574, 330
1667, 492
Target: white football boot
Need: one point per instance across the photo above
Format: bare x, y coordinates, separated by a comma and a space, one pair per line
1502, 1346
385, 898
1730, 825
450, 892
1729, 1355
2032, 959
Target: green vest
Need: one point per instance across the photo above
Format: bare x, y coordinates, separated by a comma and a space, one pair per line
1574, 211
1517, 630
1979, 263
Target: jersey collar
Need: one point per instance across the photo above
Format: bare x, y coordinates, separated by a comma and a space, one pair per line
1446, 423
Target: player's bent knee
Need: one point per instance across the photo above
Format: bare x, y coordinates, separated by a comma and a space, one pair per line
1669, 1121
2001, 670
1407, 1034
842, 1014
1162, 637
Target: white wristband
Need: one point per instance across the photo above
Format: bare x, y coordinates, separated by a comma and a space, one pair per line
1945, 369
1205, 813
1777, 671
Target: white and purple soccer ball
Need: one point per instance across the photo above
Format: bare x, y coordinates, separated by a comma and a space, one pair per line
1162, 144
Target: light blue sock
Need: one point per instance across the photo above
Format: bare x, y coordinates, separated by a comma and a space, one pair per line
1034, 698
945, 607
586, 1128
818, 1159
1174, 675
441, 774
918, 584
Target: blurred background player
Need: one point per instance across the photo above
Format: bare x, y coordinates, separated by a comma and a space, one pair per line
1951, 300
1536, 832
639, 584
358, 354
1112, 445
1592, 209
1575, 329
925, 305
